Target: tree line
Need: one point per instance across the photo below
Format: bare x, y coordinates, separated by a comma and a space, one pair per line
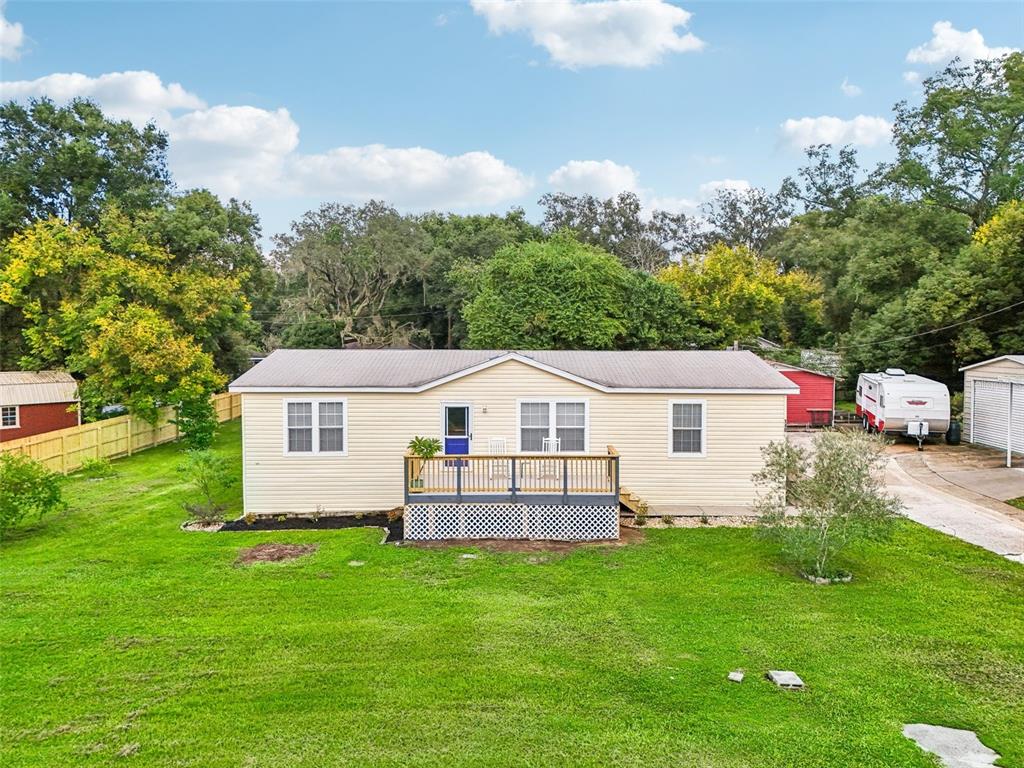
153, 295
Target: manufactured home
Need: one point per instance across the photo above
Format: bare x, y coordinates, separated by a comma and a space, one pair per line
537, 444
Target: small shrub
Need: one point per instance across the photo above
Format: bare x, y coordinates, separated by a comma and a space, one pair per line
96, 469
249, 518
704, 519
281, 518
668, 520
27, 489
640, 516
395, 514
816, 504
317, 513
212, 476
956, 406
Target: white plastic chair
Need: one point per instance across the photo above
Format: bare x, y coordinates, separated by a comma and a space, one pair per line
498, 467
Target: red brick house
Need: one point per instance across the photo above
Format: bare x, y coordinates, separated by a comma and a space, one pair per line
816, 402
32, 402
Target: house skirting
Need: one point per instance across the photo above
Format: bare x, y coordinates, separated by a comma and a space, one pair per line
511, 521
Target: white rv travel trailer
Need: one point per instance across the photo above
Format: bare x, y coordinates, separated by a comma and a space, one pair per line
896, 402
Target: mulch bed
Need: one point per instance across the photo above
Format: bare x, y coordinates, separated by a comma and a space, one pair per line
324, 523
274, 553
626, 536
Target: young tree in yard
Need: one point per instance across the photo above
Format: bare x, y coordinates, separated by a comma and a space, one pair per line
212, 477
963, 146
818, 503
27, 488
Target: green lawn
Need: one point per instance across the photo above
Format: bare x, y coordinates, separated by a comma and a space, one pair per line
118, 629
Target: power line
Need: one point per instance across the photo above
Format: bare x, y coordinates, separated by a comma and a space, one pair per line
933, 330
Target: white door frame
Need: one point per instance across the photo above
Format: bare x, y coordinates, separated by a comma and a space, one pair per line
445, 405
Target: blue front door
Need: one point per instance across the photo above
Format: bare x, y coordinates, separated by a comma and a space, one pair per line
456, 429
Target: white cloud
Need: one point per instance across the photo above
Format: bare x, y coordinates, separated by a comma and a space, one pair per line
711, 188
414, 177
136, 96
912, 77
948, 43
862, 130
248, 151
12, 37
601, 178
590, 34
849, 89
441, 20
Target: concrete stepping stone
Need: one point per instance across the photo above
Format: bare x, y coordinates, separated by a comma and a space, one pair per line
956, 748
356, 563
786, 679
736, 676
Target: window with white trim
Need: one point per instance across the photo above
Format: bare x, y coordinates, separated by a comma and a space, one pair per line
564, 421
686, 430
315, 426
9, 416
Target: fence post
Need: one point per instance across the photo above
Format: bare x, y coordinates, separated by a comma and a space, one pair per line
63, 461
458, 480
565, 481
513, 489
129, 423
405, 478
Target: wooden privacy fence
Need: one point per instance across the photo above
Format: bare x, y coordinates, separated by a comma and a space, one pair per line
65, 450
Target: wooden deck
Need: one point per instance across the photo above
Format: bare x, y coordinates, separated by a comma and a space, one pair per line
539, 478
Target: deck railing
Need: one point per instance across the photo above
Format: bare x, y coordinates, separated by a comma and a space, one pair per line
549, 478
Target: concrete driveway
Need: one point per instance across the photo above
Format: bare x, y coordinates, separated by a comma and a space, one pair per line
967, 520
958, 490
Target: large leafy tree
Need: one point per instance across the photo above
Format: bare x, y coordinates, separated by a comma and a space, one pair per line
343, 263
962, 147
874, 255
433, 299
969, 307
71, 161
750, 218
618, 226
738, 295
561, 293
117, 311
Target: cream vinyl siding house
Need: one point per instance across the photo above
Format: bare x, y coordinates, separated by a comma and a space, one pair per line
675, 445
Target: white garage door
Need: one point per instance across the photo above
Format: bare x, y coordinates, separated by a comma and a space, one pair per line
992, 402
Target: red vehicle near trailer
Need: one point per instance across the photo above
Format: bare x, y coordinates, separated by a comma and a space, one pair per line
815, 405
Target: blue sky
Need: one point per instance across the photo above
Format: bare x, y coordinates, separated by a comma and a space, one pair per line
482, 106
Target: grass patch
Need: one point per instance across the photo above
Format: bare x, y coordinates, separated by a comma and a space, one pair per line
1018, 502
121, 634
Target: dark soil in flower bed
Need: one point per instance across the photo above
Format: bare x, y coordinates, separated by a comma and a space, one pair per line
324, 523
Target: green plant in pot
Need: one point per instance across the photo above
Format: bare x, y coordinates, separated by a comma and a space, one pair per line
422, 448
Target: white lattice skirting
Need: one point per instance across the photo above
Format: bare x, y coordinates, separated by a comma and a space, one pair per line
510, 521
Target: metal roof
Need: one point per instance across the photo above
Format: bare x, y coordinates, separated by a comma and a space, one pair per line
37, 387
780, 366
417, 369
1012, 358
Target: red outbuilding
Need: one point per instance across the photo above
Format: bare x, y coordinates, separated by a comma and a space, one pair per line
32, 402
815, 405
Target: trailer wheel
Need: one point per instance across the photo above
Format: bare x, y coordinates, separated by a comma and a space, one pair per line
864, 423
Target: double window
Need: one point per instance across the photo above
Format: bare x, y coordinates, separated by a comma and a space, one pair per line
9, 416
686, 428
315, 426
553, 425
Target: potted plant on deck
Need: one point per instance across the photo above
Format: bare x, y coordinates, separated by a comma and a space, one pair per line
422, 449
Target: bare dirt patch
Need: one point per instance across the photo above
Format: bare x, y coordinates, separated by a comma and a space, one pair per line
274, 553
626, 536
